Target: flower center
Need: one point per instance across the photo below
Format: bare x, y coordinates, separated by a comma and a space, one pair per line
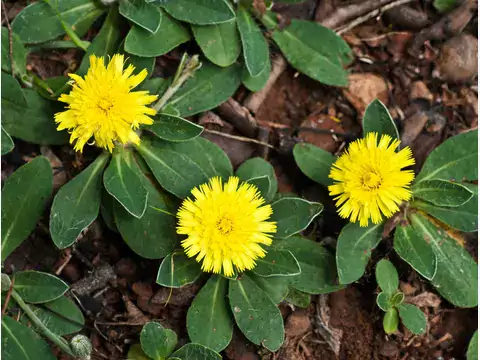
371, 180
105, 105
225, 225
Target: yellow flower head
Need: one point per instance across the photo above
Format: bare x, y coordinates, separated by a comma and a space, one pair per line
102, 106
226, 225
369, 179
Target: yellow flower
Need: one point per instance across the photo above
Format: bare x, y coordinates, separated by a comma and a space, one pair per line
369, 180
102, 106
226, 225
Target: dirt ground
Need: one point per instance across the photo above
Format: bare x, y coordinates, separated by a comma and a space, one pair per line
419, 64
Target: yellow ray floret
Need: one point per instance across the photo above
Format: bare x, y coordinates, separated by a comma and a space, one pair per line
369, 179
103, 107
226, 226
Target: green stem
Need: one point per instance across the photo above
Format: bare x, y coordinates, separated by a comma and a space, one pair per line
61, 343
185, 70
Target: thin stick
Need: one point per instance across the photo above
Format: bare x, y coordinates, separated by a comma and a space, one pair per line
10, 38
239, 138
9, 293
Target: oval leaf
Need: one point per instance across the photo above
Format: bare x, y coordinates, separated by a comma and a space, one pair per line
387, 276
314, 162
77, 204
177, 270
442, 193
174, 128
377, 119
277, 263
257, 83
298, 298
208, 318
136, 353
383, 301
193, 352
157, 342
38, 287
203, 12
144, 14
413, 318
256, 168
23, 202
256, 314
390, 321
19, 54
354, 246
472, 353
6, 143
276, 287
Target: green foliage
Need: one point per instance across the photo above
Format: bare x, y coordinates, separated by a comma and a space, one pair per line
177, 270
387, 276
298, 298
276, 287
200, 12
277, 263
472, 352
157, 342
444, 6
442, 193
377, 119
195, 351
174, 128
144, 14
19, 54
256, 168
256, 83
390, 321
314, 162
413, 318
6, 141
293, 215
38, 287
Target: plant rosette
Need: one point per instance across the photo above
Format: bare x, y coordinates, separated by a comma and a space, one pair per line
375, 191
241, 239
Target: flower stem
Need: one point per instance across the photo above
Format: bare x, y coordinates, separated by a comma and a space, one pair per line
60, 342
186, 69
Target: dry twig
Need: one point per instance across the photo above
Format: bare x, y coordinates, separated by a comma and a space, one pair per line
10, 38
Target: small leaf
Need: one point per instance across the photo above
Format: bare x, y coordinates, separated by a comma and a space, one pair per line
7, 144
255, 168
12, 92
210, 87
174, 128
220, 43
383, 301
208, 318
136, 353
397, 299
390, 321
314, 162
256, 314
293, 215
444, 6
442, 193
354, 247
387, 276
277, 263
276, 287
77, 204
124, 184
144, 14
257, 83
456, 276
23, 202
177, 270
204, 12
255, 46
169, 35
413, 318
18, 52
377, 119
194, 352
157, 341
298, 298
22, 343
181, 166
38, 287
412, 247
453, 160
472, 352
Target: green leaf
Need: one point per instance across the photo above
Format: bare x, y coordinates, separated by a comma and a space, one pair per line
200, 12
156, 85
257, 83
276, 287
22, 343
390, 321
454, 160
412, 247
157, 341
195, 352
321, 60
456, 276
220, 43
54, 84
19, 54
256, 314
208, 318
383, 301
136, 353
144, 14
105, 42
255, 46
38, 287
277, 263
387, 276
442, 193
472, 352
444, 6
77, 204
314, 162
377, 119
174, 128
413, 318
38, 22
169, 35
318, 272
24, 196
177, 270
210, 87
263, 185
60, 316
12, 92
7, 144
298, 298
124, 184
255, 168
179, 167
293, 215
397, 298
106, 210
35, 123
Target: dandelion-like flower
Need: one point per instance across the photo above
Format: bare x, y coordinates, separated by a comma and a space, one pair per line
226, 225
369, 179
102, 106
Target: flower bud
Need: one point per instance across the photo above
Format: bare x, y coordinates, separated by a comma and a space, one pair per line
81, 347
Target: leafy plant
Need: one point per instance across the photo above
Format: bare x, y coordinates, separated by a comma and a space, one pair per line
444, 201
46, 311
391, 300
